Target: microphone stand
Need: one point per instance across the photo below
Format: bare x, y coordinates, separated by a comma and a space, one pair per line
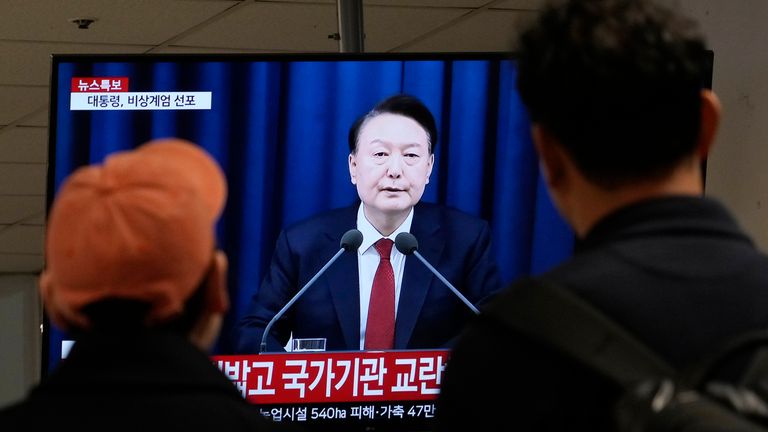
263, 346
445, 281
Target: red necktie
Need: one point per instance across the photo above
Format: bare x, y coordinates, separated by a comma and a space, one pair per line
380, 329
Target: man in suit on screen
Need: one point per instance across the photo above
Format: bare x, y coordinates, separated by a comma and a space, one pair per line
390, 162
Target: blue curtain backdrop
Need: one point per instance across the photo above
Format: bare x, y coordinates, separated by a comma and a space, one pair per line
279, 129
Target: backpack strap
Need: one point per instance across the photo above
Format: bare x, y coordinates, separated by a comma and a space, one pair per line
548, 313
752, 344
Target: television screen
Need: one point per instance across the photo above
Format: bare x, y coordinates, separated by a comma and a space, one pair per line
278, 125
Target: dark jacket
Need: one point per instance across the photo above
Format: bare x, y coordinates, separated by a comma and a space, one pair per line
677, 272
137, 381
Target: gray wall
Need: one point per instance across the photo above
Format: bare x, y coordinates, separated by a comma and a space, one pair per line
736, 174
737, 170
20, 340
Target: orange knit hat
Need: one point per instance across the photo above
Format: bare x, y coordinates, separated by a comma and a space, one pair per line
140, 226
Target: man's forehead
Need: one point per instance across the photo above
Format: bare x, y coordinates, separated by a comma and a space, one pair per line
393, 129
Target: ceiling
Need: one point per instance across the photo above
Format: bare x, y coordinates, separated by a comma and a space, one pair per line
32, 30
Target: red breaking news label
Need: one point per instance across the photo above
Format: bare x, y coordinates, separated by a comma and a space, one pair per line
99, 84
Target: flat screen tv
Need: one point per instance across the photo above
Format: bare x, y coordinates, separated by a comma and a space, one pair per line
278, 126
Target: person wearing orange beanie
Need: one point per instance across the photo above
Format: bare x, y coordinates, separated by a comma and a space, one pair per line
133, 274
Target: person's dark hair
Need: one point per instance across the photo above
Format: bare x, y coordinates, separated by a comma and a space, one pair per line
404, 105
617, 82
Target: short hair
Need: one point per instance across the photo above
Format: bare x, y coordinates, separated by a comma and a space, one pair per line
618, 83
401, 104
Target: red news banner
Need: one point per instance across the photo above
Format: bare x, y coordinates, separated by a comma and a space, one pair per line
98, 84
346, 376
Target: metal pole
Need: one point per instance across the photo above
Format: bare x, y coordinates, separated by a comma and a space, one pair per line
350, 18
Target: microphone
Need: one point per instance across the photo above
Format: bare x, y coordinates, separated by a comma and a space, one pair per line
407, 244
350, 241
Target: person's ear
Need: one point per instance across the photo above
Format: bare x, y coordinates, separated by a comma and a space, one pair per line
711, 111
208, 325
62, 317
352, 161
551, 156
46, 295
430, 164
216, 284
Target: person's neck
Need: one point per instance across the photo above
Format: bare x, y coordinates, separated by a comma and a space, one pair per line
593, 203
385, 222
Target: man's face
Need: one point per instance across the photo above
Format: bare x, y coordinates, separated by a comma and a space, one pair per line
392, 163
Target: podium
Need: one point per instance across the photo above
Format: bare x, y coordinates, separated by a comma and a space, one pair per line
341, 390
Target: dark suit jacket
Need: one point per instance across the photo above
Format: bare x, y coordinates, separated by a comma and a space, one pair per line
429, 314
676, 272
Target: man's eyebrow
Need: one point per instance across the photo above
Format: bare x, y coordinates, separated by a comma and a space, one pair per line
405, 145
414, 144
